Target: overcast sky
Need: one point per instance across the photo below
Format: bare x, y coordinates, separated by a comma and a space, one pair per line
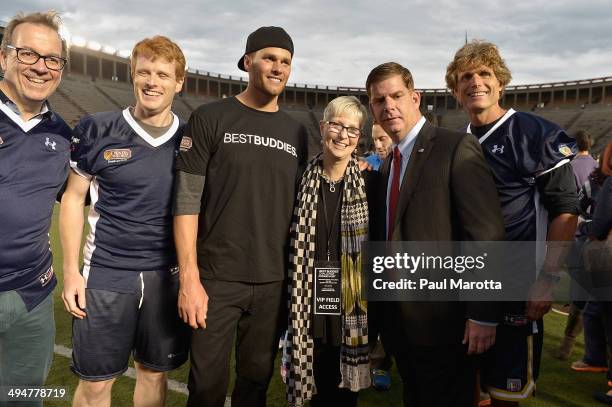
337, 43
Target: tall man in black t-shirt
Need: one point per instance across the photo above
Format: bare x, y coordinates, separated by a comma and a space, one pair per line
233, 202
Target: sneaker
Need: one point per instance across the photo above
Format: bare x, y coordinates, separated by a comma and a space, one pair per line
603, 397
381, 379
485, 399
582, 366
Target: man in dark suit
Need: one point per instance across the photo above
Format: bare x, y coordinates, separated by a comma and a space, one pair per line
435, 186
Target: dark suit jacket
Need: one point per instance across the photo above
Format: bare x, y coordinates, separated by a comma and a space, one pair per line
447, 193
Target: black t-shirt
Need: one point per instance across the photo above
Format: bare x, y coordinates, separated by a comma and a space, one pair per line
328, 328
329, 204
250, 159
480, 131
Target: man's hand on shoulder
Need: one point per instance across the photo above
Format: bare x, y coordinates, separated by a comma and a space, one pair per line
365, 165
192, 301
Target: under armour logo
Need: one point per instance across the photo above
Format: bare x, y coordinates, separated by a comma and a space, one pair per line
498, 149
50, 143
46, 277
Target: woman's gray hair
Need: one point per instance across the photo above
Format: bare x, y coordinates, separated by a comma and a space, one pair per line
346, 106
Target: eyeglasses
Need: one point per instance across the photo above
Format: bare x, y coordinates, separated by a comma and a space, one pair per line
352, 132
29, 57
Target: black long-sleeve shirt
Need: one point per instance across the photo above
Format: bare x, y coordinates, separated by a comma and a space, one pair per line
601, 224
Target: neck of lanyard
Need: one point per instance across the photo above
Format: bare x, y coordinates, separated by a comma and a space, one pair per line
329, 228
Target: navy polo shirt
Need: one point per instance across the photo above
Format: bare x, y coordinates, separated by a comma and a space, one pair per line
34, 164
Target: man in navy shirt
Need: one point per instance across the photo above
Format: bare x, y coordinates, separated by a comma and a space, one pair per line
125, 300
34, 157
529, 157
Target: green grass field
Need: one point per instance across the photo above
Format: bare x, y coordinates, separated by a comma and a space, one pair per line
557, 386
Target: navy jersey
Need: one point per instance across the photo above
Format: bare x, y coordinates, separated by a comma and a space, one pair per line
132, 177
519, 148
34, 159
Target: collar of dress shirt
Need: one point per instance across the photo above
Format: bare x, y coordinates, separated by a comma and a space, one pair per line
405, 146
13, 106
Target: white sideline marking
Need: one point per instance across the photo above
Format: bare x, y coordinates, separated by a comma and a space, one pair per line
556, 311
173, 385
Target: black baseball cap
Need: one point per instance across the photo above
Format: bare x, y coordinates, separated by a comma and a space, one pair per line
265, 37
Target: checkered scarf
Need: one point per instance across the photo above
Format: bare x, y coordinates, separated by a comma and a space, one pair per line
299, 345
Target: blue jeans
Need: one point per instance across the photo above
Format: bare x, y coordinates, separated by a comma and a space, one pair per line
26, 343
594, 334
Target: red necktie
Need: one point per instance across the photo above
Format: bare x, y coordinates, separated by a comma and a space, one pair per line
395, 187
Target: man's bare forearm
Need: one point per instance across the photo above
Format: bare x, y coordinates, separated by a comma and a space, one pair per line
71, 220
185, 239
563, 227
561, 230
193, 300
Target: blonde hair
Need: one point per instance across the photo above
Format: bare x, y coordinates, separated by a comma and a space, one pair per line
346, 105
474, 54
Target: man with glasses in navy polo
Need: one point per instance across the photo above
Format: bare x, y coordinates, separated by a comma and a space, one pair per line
34, 162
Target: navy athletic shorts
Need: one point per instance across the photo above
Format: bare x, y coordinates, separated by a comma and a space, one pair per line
510, 368
144, 322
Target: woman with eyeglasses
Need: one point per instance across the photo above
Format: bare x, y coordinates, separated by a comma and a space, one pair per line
326, 346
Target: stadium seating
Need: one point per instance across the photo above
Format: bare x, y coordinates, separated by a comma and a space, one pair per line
564, 117
79, 95
311, 121
454, 120
69, 110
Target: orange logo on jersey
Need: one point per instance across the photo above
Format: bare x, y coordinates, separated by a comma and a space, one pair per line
186, 143
565, 150
117, 154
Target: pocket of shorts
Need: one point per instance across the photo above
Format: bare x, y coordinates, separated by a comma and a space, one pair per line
11, 308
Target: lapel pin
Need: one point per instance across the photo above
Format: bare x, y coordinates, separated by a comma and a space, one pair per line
420, 150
